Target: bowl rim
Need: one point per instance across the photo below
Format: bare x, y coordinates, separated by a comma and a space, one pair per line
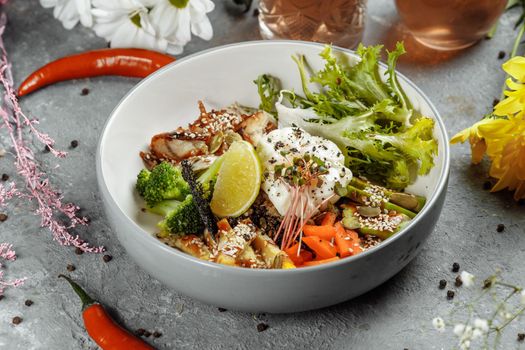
441, 185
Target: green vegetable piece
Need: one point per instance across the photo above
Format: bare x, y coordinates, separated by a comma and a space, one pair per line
163, 182
268, 88
182, 218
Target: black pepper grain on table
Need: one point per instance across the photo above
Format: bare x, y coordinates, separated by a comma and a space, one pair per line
28, 302
71, 267
450, 294
78, 251
3, 217
458, 282
5, 177
107, 258
442, 284
74, 144
261, 327
17, 320
455, 267
500, 228
84, 92
521, 336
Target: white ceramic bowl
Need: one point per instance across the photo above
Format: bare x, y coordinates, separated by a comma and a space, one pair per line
219, 77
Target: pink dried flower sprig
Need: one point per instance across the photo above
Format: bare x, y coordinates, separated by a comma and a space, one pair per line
37, 186
7, 253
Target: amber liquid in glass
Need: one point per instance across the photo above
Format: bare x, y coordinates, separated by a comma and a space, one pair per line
449, 24
340, 22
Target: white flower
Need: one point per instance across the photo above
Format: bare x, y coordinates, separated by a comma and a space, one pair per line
465, 345
477, 333
459, 329
69, 12
438, 324
125, 23
175, 20
467, 278
481, 324
522, 297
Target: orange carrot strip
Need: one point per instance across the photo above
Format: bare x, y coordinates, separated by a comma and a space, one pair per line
292, 253
344, 241
320, 262
224, 225
306, 255
329, 219
324, 232
323, 249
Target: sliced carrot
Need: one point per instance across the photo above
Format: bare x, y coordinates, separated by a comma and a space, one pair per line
347, 241
325, 232
292, 253
322, 248
329, 219
306, 255
224, 225
320, 262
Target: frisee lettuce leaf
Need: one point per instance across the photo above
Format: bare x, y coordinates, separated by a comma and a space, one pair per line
371, 120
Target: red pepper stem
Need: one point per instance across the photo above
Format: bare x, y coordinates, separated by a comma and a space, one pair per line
84, 297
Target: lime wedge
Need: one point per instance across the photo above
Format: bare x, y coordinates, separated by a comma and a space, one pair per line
238, 182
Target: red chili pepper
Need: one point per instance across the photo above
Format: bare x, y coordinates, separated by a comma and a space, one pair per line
125, 62
101, 328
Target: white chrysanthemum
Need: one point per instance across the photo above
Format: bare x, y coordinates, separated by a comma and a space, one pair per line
438, 324
467, 278
176, 20
70, 12
126, 23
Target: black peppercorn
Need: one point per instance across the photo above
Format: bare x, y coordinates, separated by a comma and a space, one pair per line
78, 251
450, 294
140, 332
501, 55
17, 320
74, 144
221, 309
157, 334
442, 284
107, 258
71, 268
261, 327
500, 228
5, 177
459, 281
3, 217
28, 302
487, 185
521, 336
84, 92
455, 267
147, 334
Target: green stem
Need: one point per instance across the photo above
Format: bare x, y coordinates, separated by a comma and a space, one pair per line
505, 324
84, 297
356, 194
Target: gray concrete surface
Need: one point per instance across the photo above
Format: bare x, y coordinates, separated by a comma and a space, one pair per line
396, 315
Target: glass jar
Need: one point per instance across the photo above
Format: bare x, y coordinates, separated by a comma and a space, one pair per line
340, 22
449, 24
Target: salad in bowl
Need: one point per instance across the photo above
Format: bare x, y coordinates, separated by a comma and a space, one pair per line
305, 178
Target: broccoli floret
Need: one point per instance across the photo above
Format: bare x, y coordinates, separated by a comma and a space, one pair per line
169, 195
180, 217
142, 181
163, 182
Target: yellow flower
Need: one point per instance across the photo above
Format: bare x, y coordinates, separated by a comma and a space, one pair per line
477, 143
503, 138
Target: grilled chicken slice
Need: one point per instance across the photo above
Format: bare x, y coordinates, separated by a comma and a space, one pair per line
190, 244
211, 133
